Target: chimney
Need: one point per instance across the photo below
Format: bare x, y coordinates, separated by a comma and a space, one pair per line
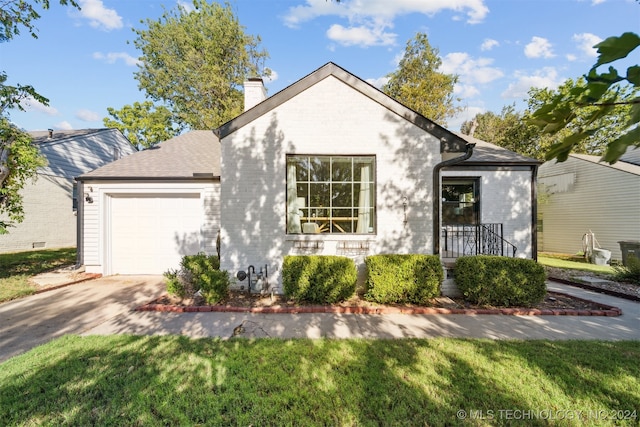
254, 92
50, 133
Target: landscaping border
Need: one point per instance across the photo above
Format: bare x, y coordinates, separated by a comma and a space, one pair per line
606, 310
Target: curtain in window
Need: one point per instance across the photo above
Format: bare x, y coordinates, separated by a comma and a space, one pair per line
364, 202
293, 211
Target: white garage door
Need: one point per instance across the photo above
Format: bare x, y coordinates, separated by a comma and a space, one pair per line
151, 233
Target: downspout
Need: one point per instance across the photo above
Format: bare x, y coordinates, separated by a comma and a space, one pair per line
534, 213
79, 223
437, 196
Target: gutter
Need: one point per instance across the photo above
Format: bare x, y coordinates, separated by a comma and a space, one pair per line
80, 225
437, 196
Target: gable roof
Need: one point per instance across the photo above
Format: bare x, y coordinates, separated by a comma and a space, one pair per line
193, 155
70, 153
486, 153
449, 141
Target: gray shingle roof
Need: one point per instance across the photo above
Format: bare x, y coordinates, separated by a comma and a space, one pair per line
487, 153
185, 156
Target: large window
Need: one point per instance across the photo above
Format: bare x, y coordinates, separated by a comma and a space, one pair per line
331, 194
460, 201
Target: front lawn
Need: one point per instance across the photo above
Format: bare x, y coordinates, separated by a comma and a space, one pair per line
17, 267
572, 263
170, 380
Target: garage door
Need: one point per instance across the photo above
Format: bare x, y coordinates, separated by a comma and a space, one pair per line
151, 233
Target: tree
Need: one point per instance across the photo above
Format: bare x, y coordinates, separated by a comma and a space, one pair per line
508, 130
417, 83
19, 158
196, 62
143, 123
20, 13
582, 109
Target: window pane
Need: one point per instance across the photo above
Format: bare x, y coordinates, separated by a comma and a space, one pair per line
302, 167
319, 169
363, 165
319, 195
342, 195
342, 170
342, 221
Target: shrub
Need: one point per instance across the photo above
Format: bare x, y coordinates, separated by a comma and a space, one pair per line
403, 278
318, 279
630, 272
500, 281
201, 273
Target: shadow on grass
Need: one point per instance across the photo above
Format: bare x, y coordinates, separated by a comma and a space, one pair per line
178, 381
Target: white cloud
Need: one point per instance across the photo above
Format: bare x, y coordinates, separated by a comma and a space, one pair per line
465, 91
369, 20
272, 77
31, 104
465, 115
597, 2
87, 115
63, 125
378, 82
475, 10
112, 57
360, 36
539, 47
100, 16
545, 78
187, 6
489, 44
470, 70
585, 42
571, 57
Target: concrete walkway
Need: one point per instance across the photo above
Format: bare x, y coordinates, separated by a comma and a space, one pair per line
105, 306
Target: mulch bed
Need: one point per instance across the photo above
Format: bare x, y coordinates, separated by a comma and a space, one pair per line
241, 301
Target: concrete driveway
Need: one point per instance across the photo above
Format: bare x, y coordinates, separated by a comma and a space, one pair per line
28, 322
105, 306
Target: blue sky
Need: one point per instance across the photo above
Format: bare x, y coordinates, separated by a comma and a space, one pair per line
84, 61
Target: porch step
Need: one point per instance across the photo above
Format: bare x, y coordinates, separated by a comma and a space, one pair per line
449, 287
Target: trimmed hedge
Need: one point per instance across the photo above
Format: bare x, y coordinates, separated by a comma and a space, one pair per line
500, 281
318, 279
202, 273
403, 278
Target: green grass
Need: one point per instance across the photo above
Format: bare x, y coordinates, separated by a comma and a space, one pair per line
169, 380
573, 263
17, 267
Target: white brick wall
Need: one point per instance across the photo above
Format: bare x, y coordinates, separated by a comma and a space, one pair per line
505, 197
328, 118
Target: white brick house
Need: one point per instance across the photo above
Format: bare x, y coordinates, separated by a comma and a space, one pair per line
329, 165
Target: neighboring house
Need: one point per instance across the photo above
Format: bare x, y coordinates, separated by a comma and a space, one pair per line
50, 202
329, 165
584, 194
151, 208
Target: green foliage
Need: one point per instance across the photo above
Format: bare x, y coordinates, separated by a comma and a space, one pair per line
630, 272
419, 85
318, 279
403, 278
574, 115
143, 124
21, 13
19, 161
508, 130
500, 281
199, 273
196, 62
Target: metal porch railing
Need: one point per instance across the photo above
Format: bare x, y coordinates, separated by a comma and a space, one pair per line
475, 239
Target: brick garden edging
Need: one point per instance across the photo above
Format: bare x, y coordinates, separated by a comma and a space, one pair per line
606, 310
